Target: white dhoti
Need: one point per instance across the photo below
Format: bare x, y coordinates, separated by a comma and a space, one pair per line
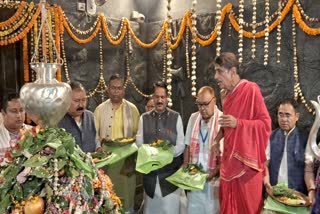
204, 201
169, 204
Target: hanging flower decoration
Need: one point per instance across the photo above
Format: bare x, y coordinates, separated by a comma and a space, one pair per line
193, 49
187, 54
218, 21
260, 34
101, 83
26, 76
169, 53
16, 28
77, 39
266, 34
57, 37
241, 22
254, 26
279, 31
306, 29
297, 87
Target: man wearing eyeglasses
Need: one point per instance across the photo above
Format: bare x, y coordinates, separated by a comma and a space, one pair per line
290, 159
202, 129
246, 126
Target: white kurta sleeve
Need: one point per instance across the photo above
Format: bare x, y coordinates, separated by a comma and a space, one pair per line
139, 136
179, 147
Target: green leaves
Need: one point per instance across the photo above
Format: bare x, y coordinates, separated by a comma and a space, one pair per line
36, 160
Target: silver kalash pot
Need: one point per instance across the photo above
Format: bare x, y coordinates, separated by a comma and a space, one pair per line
46, 100
312, 140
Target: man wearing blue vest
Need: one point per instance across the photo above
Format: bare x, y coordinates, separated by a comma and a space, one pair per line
79, 121
289, 156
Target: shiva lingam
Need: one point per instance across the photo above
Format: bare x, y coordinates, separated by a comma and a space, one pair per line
46, 100
314, 130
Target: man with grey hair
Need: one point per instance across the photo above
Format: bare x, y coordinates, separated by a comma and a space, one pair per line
79, 121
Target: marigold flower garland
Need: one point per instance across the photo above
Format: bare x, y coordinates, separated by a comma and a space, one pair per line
78, 40
101, 84
26, 76
308, 30
19, 22
271, 27
305, 16
23, 32
180, 33
151, 44
113, 40
14, 18
225, 10
297, 87
57, 37
50, 45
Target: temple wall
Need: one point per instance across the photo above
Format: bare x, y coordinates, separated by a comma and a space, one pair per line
276, 79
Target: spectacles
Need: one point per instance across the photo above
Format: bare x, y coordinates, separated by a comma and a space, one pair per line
204, 104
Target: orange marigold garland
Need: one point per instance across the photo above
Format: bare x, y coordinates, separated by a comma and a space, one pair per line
180, 33
15, 16
26, 76
226, 9
107, 32
151, 44
271, 27
78, 40
57, 37
308, 30
24, 32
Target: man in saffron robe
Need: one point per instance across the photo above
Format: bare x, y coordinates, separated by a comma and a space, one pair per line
246, 127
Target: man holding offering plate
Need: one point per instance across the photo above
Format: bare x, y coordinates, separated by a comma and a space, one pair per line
161, 124
118, 118
202, 128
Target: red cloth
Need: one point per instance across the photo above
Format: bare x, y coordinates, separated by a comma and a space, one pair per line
244, 147
245, 194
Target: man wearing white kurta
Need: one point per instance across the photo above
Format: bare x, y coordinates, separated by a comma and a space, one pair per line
162, 123
201, 130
